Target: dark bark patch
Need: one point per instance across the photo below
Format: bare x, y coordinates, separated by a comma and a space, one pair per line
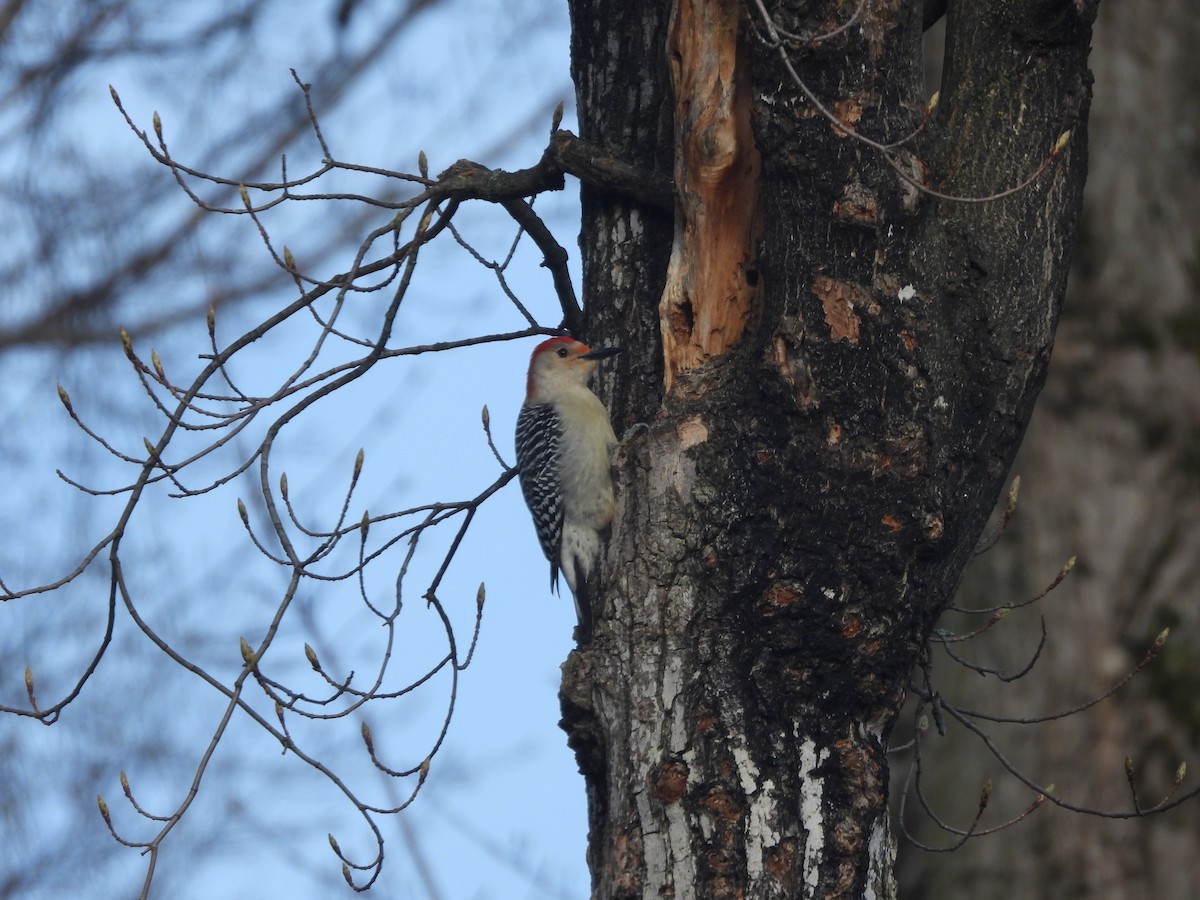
668, 781
724, 806
627, 859
847, 838
851, 626
783, 593
856, 206
783, 863
933, 525
788, 359
882, 16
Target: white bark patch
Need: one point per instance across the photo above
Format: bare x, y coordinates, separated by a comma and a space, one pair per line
666, 833
881, 846
674, 470
761, 834
811, 815
635, 225
747, 770
683, 868
672, 691
881, 855
906, 293
654, 846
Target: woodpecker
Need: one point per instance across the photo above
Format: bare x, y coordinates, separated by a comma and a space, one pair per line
564, 448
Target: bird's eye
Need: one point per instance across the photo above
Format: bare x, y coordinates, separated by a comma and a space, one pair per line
562, 352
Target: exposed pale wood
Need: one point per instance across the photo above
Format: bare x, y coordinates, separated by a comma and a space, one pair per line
710, 295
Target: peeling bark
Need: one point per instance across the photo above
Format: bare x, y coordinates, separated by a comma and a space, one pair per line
710, 296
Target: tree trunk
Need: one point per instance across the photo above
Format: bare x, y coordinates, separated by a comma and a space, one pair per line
835, 421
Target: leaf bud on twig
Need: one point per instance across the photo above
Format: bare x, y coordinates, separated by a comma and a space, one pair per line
29, 690
1014, 492
247, 653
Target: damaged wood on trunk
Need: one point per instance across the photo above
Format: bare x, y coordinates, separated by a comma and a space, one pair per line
711, 293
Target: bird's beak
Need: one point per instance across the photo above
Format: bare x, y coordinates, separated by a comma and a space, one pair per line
601, 353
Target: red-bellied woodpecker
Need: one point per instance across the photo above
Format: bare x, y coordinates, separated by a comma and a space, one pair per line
564, 445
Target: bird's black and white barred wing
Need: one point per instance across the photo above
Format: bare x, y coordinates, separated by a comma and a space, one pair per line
538, 447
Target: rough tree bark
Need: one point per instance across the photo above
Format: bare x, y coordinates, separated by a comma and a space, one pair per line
838, 418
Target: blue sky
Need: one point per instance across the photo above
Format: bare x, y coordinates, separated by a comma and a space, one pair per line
503, 812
